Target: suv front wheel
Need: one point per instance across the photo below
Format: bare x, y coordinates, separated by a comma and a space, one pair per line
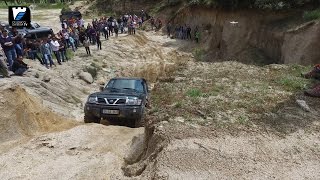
136, 123
88, 118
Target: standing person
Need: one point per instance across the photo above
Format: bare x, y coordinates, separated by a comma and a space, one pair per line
55, 46
180, 32
197, 35
133, 28
33, 50
72, 43
82, 36
65, 34
3, 66
176, 36
88, 32
63, 51
116, 30
140, 22
189, 32
18, 44
76, 38
98, 41
185, 31
93, 34
86, 44
152, 23
121, 27
169, 29
46, 52
129, 28
105, 31
7, 45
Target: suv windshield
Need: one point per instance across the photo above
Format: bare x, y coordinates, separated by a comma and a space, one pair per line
126, 84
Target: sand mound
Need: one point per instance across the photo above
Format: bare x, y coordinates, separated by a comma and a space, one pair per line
23, 115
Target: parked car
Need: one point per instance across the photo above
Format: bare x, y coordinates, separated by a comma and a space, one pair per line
35, 28
122, 99
38, 33
34, 32
69, 15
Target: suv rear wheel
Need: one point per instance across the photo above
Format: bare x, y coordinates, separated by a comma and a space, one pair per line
88, 118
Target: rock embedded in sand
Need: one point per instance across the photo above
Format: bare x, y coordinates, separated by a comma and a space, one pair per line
87, 77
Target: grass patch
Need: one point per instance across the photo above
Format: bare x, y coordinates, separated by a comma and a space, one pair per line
291, 83
194, 93
70, 54
178, 105
312, 15
198, 54
242, 120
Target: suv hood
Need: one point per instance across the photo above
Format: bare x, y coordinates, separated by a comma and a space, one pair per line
109, 92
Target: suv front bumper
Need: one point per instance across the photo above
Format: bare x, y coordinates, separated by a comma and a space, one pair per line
125, 112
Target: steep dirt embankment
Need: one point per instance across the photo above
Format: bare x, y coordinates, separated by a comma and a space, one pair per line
22, 115
258, 36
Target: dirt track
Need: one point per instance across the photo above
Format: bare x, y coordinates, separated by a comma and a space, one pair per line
41, 132
83, 152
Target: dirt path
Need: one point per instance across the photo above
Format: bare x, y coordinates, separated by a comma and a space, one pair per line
84, 152
35, 143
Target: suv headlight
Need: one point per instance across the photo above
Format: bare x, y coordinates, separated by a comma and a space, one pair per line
133, 101
92, 99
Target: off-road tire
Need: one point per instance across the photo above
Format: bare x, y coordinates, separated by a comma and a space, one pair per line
91, 119
136, 123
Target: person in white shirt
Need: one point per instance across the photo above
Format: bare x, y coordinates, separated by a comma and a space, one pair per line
54, 43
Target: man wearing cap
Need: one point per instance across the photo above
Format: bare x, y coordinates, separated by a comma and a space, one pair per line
8, 47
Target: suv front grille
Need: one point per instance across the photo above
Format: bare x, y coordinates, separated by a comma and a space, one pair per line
101, 101
121, 101
111, 101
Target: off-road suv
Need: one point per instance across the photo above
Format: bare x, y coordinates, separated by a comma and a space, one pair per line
122, 99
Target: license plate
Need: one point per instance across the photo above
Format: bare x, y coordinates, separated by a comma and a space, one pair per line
108, 111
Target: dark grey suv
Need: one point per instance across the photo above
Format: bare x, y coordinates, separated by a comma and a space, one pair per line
122, 99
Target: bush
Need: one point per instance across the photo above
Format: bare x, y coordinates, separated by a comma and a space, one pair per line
312, 15
262, 4
198, 54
